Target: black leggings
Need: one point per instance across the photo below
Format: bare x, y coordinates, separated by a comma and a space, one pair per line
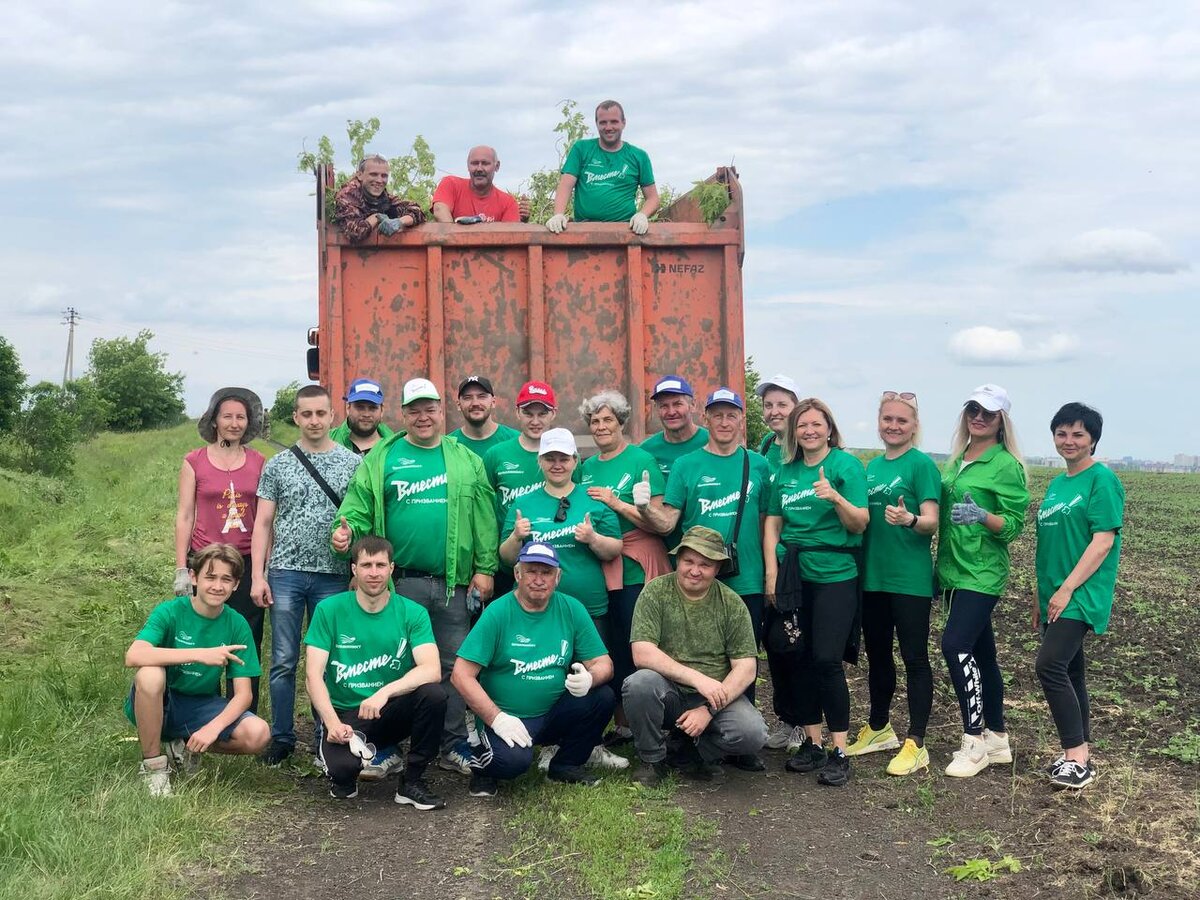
1061, 668
814, 681
886, 616
969, 646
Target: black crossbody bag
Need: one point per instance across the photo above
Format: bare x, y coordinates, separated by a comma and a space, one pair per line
731, 568
312, 470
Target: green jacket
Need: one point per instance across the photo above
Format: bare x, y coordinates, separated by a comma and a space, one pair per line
472, 537
969, 556
341, 435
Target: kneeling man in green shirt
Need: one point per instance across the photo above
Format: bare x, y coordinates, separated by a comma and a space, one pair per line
693, 644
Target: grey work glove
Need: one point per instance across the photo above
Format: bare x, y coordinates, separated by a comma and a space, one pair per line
639, 224
389, 226
968, 512
183, 582
556, 224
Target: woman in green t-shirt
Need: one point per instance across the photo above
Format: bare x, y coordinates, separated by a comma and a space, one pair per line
818, 500
1079, 542
903, 489
984, 498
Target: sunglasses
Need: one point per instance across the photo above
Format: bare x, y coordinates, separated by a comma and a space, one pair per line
899, 395
560, 514
975, 411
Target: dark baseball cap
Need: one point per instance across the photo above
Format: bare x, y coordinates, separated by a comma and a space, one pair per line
480, 380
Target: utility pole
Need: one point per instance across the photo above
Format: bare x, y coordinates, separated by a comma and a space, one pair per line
70, 317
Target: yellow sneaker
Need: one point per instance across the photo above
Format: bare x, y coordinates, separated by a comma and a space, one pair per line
869, 741
910, 759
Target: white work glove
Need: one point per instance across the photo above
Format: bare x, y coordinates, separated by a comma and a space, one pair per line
641, 491
558, 223
183, 582
579, 682
511, 730
639, 224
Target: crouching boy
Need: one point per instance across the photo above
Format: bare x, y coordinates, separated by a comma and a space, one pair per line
181, 653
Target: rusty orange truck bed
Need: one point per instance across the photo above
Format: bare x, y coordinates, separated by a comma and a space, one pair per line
595, 307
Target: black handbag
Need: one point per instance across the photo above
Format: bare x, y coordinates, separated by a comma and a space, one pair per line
731, 568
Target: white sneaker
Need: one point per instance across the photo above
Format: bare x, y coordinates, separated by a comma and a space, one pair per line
603, 758
181, 758
784, 736
379, 769
998, 749
970, 760
156, 773
545, 755
457, 760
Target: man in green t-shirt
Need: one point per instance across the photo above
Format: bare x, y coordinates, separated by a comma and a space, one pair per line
779, 396
180, 654
604, 174
694, 648
363, 426
534, 670
373, 676
477, 405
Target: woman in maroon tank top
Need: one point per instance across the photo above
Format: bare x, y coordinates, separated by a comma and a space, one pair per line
218, 495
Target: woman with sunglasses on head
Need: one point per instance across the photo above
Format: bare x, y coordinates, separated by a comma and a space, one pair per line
985, 493
903, 489
815, 520
1079, 541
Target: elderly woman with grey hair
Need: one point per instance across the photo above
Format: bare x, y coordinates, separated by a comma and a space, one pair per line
610, 477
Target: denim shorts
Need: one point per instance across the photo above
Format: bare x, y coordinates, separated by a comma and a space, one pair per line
184, 714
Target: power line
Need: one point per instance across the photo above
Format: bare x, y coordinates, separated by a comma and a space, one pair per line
71, 315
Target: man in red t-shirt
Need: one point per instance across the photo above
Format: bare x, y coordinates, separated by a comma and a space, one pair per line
456, 197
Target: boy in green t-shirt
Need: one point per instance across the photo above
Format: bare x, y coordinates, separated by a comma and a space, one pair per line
180, 655
374, 676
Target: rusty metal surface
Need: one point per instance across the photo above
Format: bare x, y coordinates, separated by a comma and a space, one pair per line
596, 307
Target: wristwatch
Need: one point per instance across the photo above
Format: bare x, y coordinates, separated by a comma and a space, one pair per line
913, 523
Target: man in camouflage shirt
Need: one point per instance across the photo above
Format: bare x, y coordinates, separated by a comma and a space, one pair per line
364, 205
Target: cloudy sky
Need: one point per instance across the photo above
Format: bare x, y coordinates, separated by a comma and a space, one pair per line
938, 194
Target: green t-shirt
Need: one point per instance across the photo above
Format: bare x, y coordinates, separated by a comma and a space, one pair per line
809, 521
480, 448
666, 453
896, 558
607, 182
525, 656
771, 448
705, 488
582, 575
702, 634
513, 472
366, 650
620, 473
175, 625
1077, 507
415, 506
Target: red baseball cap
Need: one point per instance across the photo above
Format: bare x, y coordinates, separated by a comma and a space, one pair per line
536, 392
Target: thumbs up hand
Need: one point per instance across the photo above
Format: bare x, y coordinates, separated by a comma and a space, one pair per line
822, 488
343, 535
641, 492
522, 527
584, 532
968, 512
898, 515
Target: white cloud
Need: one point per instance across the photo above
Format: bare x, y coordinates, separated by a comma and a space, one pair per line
1124, 250
987, 346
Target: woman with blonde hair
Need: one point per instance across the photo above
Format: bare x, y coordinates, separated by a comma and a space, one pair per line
985, 493
903, 489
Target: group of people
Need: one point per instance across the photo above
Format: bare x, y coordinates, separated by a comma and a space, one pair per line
600, 181
483, 592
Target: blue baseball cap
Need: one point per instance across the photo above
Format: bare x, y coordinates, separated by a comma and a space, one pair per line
537, 552
725, 395
672, 384
365, 389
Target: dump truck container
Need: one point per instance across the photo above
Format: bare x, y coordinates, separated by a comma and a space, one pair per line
592, 308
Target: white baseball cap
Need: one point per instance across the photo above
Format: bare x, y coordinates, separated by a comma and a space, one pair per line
778, 381
418, 389
557, 440
991, 397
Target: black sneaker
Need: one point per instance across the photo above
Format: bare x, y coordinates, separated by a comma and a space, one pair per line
682, 752
343, 791
651, 774
808, 758
747, 762
481, 785
836, 771
712, 772
275, 754
573, 775
1073, 775
1053, 767
416, 793
617, 736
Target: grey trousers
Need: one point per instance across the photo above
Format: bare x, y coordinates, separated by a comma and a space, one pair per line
451, 622
652, 704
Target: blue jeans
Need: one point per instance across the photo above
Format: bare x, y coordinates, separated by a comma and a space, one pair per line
294, 594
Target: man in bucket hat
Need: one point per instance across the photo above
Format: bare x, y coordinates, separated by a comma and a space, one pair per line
693, 644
